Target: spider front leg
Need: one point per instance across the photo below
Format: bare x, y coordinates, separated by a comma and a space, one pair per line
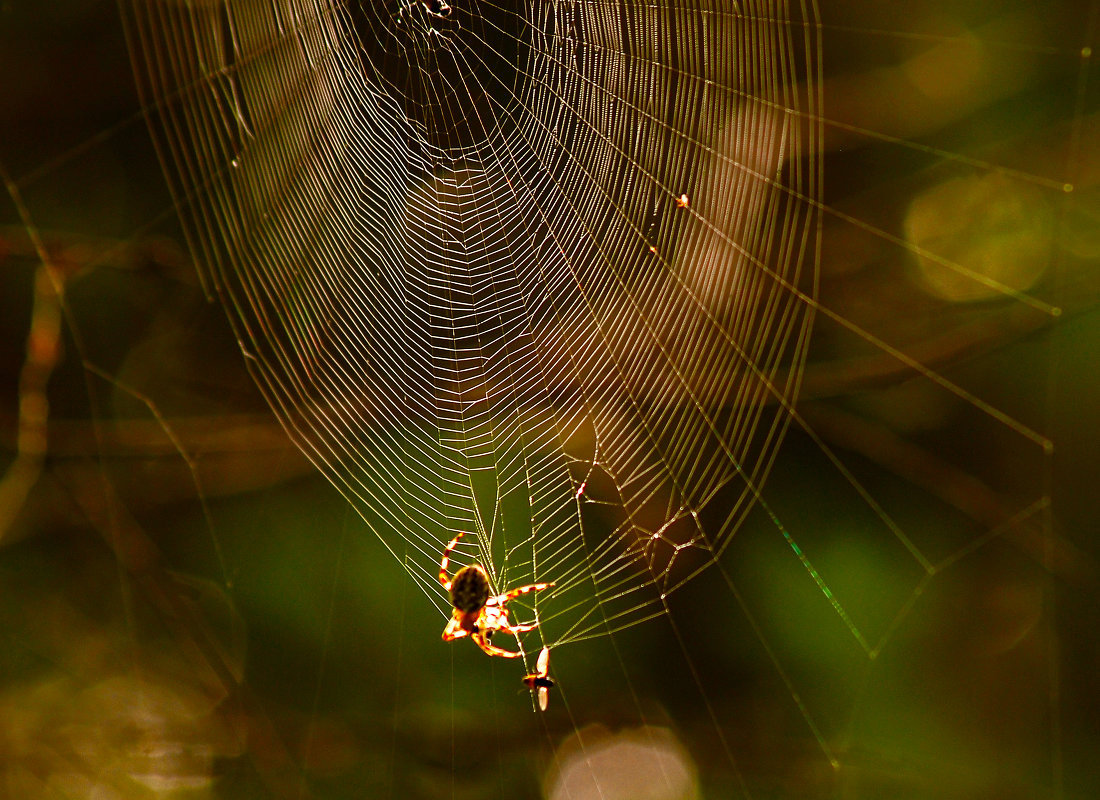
500, 599
444, 562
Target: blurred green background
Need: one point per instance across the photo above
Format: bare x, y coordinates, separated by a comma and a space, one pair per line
190, 611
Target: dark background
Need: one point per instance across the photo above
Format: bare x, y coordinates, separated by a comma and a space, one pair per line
188, 609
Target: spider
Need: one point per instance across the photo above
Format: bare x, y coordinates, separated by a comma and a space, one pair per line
477, 613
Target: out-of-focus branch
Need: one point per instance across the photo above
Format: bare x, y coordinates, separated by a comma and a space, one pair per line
43, 352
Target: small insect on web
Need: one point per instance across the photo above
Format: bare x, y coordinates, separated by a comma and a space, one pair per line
477, 613
539, 681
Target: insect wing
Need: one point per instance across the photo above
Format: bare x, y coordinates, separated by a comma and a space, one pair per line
544, 697
543, 662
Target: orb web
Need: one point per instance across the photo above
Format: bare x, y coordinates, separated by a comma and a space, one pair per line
537, 272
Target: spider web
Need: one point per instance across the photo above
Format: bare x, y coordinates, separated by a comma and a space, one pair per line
541, 273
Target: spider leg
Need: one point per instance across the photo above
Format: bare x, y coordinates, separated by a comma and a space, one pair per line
446, 560
514, 629
493, 650
497, 620
501, 599
454, 630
